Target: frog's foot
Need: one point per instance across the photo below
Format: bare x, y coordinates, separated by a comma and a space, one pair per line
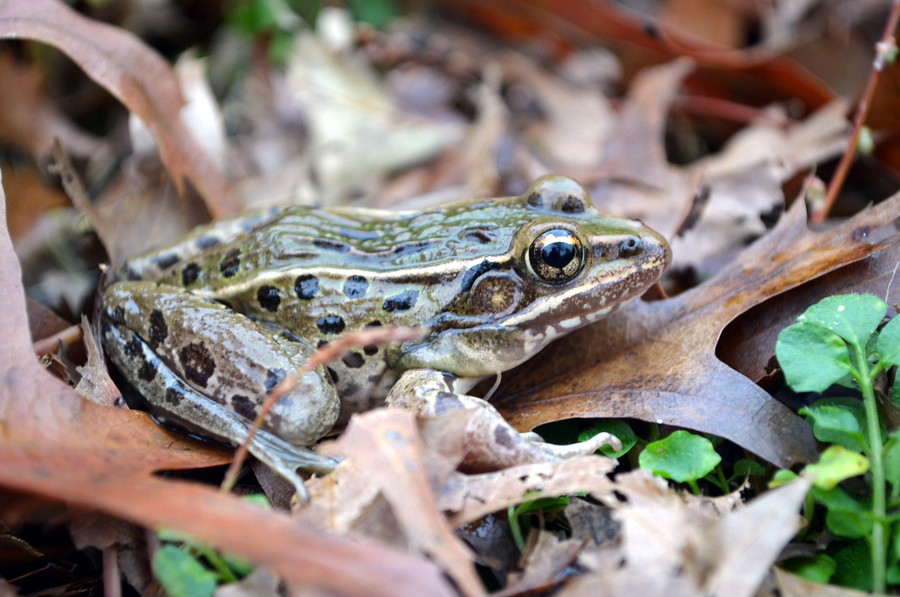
493, 443
186, 408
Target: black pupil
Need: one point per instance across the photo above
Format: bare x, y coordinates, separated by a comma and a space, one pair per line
558, 254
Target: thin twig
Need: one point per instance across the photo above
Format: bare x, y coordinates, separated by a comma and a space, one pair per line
882, 48
327, 353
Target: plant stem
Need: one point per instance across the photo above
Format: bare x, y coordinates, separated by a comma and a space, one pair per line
862, 110
876, 448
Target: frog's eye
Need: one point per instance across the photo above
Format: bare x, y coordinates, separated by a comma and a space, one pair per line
556, 256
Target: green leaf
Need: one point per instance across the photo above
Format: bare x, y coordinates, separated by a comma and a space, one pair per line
889, 342
846, 517
181, 575
747, 468
812, 357
853, 317
682, 457
617, 427
836, 464
781, 477
816, 569
854, 567
834, 424
891, 456
377, 13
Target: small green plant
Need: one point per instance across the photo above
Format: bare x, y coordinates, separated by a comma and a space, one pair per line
835, 342
518, 516
186, 567
682, 456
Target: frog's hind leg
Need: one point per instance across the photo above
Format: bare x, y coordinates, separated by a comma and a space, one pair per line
493, 443
185, 408
205, 368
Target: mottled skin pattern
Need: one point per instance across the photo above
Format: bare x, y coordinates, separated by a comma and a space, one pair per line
211, 323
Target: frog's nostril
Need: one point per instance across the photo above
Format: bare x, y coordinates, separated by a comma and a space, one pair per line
630, 246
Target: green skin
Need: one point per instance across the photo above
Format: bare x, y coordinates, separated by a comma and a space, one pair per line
202, 329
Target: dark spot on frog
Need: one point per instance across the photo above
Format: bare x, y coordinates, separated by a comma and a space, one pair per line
206, 242
503, 437
332, 374
350, 390
411, 247
572, 205
331, 245
243, 406
118, 314
197, 363
474, 272
230, 263
446, 402
274, 377
330, 324
321, 344
356, 287
166, 260
401, 302
479, 235
173, 395
306, 286
354, 360
370, 349
158, 328
535, 199
374, 324
269, 298
190, 273
147, 371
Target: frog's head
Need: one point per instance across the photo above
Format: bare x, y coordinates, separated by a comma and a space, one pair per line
565, 265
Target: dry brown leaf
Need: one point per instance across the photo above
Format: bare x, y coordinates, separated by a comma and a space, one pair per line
576, 120
28, 119
656, 362
135, 75
95, 383
385, 444
544, 562
791, 585
745, 184
678, 545
56, 445
747, 342
756, 76
634, 178
469, 497
715, 22
357, 134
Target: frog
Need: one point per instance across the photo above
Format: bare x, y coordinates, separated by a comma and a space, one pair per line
201, 330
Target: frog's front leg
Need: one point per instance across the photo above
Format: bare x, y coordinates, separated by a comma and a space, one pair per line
494, 443
206, 368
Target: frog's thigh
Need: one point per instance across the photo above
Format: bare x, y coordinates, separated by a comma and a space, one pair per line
494, 443
194, 412
226, 357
